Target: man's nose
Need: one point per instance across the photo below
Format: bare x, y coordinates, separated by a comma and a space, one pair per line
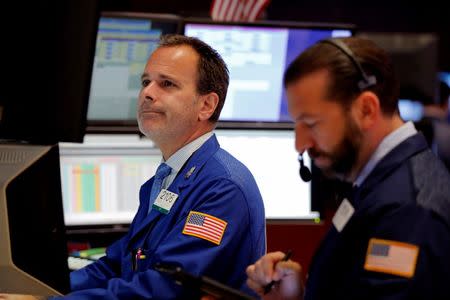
149, 91
303, 139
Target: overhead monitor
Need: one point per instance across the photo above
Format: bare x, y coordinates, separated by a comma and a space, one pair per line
415, 59
124, 43
47, 62
257, 55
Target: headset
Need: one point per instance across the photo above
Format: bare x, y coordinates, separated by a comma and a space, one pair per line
365, 82
305, 173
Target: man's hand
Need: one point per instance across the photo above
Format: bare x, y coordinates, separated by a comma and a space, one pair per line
270, 267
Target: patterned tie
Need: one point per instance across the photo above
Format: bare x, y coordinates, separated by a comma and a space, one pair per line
162, 172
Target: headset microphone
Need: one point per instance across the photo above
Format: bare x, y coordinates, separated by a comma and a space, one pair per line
305, 173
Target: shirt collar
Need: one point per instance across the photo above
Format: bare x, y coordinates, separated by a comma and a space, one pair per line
179, 158
389, 142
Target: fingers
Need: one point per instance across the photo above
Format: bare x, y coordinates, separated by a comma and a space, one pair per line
288, 276
286, 268
262, 272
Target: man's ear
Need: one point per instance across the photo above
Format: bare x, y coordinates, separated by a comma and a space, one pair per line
208, 104
367, 109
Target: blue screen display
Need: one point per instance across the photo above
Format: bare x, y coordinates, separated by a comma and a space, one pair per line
257, 57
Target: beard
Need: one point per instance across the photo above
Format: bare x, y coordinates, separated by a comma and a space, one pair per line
344, 157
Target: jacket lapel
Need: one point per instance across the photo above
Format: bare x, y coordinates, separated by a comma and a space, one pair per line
185, 178
391, 161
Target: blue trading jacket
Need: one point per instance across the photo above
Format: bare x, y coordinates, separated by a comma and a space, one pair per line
405, 199
219, 186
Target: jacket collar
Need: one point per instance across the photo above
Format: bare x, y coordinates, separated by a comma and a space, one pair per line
392, 161
185, 177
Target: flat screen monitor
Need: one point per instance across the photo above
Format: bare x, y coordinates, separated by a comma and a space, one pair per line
257, 55
33, 250
101, 178
124, 43
271, 157
415, 58
47, 63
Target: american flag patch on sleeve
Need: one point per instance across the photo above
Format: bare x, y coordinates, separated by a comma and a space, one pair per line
391, 257
205, 226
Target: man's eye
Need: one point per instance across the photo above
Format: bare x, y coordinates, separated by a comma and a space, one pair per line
145, 82
310, 124
167, 83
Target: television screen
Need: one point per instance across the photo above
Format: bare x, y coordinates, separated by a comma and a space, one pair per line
124, 43
257, 55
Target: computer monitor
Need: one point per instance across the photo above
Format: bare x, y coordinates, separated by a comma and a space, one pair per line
271, 157
257, 55
415, 58
101, 178
124, 43
47, 63
33, 251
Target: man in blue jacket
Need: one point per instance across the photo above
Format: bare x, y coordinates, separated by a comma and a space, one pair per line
208, 216
390, 237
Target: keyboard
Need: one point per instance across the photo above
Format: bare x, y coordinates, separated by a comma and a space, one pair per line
76, 263
82, 258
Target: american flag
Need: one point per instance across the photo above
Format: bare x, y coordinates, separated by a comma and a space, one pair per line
237, 10
205, 226
391, 257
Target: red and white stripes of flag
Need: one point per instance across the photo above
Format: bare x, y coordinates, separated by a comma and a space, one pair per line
237, 10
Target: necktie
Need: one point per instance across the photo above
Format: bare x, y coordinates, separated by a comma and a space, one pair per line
162, 172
